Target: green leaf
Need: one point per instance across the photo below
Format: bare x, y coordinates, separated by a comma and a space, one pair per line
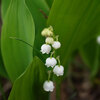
39, 10
75, 22
4, 7
3, 72
49, 2
18, 23
29, 86
90, 54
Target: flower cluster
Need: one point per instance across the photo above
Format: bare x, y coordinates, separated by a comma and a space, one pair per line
50, 47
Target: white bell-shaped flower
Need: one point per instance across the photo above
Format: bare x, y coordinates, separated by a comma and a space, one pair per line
45, 48
47, 32
58, 70
49, 40
98, 39
56, 44
48, 86
51, 62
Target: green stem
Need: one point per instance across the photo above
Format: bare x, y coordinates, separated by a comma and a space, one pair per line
21, 41
49, 75
58, 58
27, 44
50, 28
52, 54
56, 37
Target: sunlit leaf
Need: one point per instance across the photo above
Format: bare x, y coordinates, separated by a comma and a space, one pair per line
75, 22
29, 86
4, 7
39, 10
18, 23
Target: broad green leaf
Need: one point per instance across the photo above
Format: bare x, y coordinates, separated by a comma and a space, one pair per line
3, 72
4, 7
90, 53
18, 23
49, 2
39, 10
75, 22
29, 86
2, 68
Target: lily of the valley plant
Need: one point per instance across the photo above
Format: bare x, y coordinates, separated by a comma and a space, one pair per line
49, 47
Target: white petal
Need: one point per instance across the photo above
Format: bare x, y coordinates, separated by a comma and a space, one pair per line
45, 48
49, 40
56, 45
50, 62
48, 86
46, 32
58, 70
98, 39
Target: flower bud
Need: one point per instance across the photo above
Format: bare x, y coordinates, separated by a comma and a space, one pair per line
46, 32
48, 86
50, 28
45, 48
58, 70
49, 40
56, 44
98, 39
51, 62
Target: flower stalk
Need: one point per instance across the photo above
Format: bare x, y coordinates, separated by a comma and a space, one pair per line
50, 47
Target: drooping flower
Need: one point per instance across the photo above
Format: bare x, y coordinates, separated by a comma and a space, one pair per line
51, 62
49, 40
56, 44
45, 48
47, 32
98, 39
48, 86
58, 70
